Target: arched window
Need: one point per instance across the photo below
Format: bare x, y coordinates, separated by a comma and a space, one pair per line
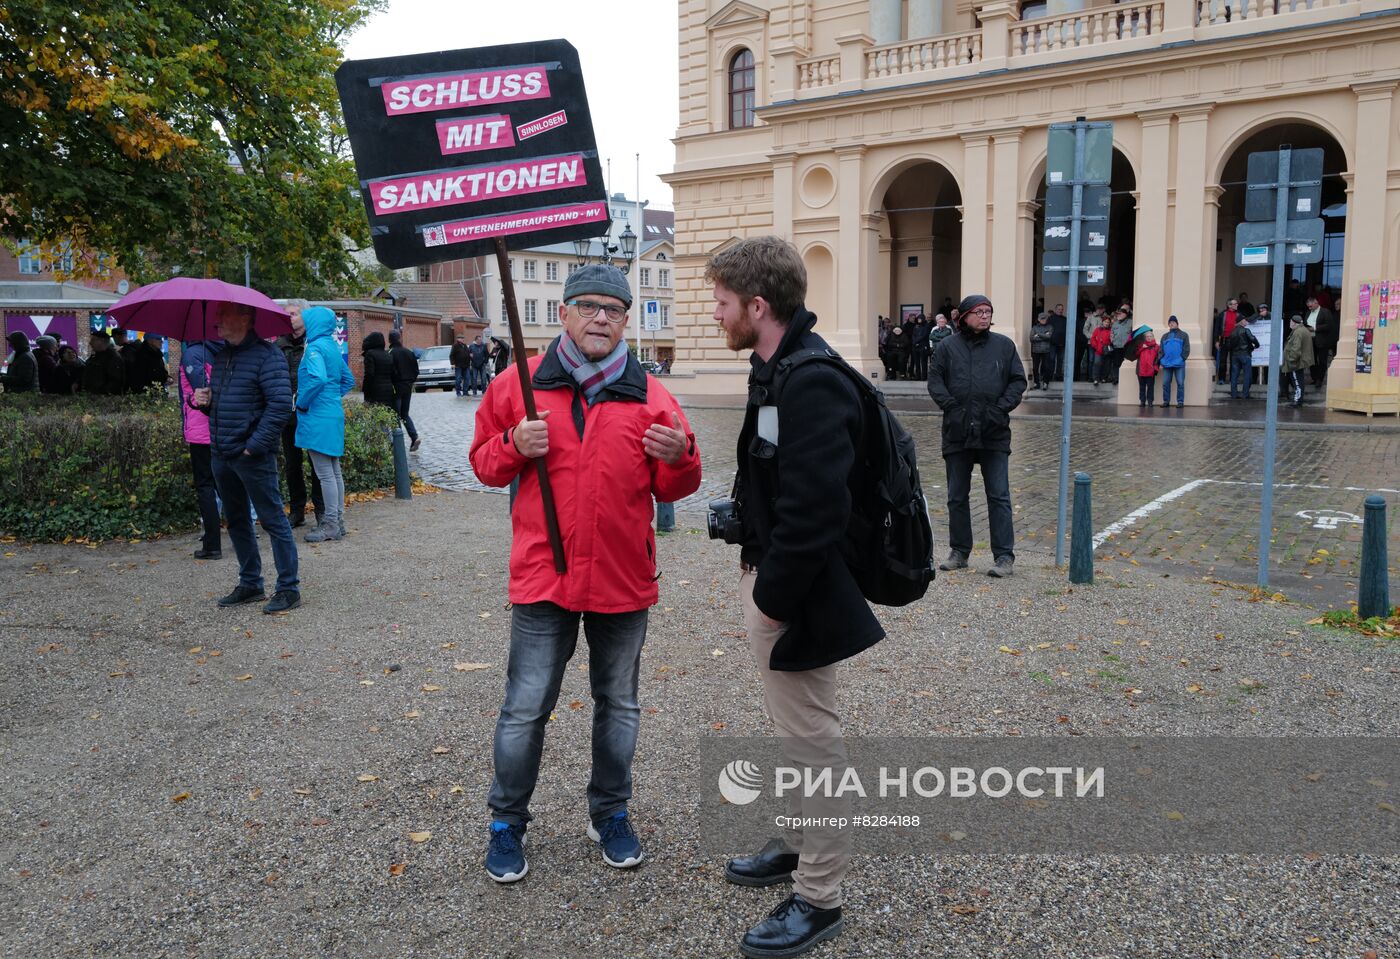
741, 89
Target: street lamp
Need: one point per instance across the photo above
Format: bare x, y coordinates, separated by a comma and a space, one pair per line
581, 248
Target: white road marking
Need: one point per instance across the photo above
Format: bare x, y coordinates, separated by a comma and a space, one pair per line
1131, 519
1147, 510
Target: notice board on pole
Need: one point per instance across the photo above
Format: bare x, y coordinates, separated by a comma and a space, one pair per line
460, 148
1372, 322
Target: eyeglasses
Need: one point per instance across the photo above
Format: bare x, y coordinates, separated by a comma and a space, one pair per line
588, 309
980, 311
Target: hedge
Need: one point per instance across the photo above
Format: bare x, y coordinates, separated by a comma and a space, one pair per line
103, 467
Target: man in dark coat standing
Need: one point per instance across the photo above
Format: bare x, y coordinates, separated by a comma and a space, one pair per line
405, 367
105, 373
249, 401
977, 380
798, 475
1326, 335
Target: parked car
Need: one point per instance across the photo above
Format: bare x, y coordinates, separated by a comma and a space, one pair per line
435, 369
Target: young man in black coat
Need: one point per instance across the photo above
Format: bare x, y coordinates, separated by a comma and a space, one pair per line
977, 379
804, 611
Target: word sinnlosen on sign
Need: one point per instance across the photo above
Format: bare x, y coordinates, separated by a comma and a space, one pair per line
459, 149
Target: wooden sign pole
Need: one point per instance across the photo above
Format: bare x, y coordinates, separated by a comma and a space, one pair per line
527, 393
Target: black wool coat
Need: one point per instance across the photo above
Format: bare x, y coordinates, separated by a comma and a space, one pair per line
796, 504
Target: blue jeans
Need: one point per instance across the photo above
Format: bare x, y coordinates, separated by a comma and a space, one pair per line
1241, 371
542, 641
478, 379
1170, 373
243, 478
997, 483
463, 380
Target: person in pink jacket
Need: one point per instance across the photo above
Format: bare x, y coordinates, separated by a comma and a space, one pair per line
196, 362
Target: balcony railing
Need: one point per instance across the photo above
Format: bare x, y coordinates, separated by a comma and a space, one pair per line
930, 53
1210, 12
1087, 28
1002, 41
818, 72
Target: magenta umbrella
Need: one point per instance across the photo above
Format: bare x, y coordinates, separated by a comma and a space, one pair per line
186, 309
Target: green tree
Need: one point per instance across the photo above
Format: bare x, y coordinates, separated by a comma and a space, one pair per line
180, 134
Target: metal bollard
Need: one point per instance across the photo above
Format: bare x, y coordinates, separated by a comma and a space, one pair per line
403, 483
1373, 598
1081, 545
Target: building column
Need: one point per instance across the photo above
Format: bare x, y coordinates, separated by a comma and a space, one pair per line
886, 21
1009, 270
1193, 252
784, 191
975, 201
1026, 271
925, 18
1365, 255
1151, 257
856, 255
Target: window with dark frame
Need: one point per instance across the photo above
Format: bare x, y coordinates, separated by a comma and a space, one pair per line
741, 90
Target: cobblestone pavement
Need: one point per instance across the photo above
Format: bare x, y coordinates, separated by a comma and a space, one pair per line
1165, 496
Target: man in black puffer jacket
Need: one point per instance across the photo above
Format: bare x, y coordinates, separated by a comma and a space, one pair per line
249, 401
977, 379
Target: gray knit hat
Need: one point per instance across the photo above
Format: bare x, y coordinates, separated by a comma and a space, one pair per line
598, 278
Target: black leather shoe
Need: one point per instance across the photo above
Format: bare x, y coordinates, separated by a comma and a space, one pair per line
208, 554
241, 595
282, 601
791, 929
772, 864
298, 517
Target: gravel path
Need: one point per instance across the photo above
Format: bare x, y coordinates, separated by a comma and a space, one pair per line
126, 689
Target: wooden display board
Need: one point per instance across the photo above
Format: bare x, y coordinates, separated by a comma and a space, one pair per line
1375, 384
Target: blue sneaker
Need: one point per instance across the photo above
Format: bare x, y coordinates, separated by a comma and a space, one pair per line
505, 857
621, 847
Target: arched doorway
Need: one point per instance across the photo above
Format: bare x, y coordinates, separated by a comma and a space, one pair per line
923, 237
1118, 277
1254, 285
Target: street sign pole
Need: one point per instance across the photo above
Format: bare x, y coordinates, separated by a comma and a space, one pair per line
1281, 218
1072, 315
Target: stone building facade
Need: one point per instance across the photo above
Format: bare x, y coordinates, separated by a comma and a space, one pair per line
901, 145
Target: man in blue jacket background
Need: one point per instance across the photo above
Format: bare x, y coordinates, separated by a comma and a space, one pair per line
249, 400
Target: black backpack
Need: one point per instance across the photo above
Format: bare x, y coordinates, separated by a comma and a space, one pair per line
889, 541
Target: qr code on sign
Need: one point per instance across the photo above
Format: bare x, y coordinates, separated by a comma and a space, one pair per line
435, 236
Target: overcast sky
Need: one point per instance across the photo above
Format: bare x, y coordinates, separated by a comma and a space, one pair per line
628, 49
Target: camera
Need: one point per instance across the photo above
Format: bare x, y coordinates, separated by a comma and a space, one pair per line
725, 522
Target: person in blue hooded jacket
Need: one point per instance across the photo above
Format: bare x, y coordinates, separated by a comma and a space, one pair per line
322, 379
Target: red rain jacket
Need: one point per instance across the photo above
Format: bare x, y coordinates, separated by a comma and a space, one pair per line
603, 484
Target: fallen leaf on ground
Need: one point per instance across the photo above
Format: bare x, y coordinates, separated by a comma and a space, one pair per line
243, 679
964, 910
423, 836
254, 795
470, 667
302, 792
440, 750
1175, 816
396, 869
430, 687
456, 790
412, 714
1193, 688
576, 704
180, 797
366, 778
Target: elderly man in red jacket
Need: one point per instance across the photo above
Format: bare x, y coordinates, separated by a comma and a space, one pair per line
613, 439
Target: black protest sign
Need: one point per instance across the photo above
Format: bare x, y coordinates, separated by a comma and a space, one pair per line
458, 149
